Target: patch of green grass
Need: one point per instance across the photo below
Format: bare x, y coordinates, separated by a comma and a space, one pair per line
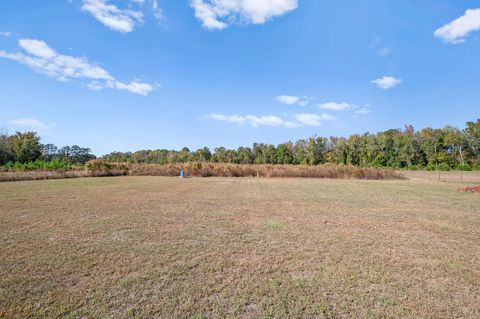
273, 225
20, 199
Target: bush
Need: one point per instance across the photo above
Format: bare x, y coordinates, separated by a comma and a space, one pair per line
98, 165
444, 167
37, 165
465, 168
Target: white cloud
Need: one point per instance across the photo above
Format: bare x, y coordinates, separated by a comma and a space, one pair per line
264, 120
313, 119
46, 60
334, 106
287, 99
292, 100
217, 14
5, 33
253, 120
387, 82
157, 11
362, 111
290, 124
37, 48
30, 123
271, 120
457, 30
121, 20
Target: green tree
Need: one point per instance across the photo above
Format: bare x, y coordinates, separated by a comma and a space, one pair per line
472, 132
25, 146
202, 155
5, 150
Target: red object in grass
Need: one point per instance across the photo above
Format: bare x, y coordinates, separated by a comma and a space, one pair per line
472, 189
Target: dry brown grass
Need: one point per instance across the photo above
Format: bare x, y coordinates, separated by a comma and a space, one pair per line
269, 171
156, 247
17, 176
451, 176
99, 168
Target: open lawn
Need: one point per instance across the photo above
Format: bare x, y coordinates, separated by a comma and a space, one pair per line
163, 247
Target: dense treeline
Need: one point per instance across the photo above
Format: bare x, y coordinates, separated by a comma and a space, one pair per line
24, 150
447, 148
444, 149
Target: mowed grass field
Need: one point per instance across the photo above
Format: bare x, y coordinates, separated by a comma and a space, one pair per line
156, 247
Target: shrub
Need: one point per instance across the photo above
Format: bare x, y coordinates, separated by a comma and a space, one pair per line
465, 168
37, 166
444, 167
98, 165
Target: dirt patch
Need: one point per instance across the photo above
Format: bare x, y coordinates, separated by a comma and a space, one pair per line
471, 189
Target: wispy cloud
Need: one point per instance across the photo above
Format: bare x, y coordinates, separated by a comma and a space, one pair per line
157, 11
253, 120
292, 100
457, 30
298, 120
121, 20
313, 119
218, 14
43, 59
30, 123
155, 7
387, 82
380, 48
5, 33
362, 111
384, 51
334, 106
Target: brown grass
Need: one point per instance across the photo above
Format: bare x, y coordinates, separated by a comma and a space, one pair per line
268, 171
157, 247
43, 175
450, 176
98, 168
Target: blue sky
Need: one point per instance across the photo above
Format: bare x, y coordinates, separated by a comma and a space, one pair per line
128, 75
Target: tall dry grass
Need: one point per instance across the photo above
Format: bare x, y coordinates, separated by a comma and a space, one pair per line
99, 168
267, 171
17, 176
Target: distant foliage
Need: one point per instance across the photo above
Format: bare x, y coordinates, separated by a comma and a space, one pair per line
23, 151
53, 165
448, 148
430, 149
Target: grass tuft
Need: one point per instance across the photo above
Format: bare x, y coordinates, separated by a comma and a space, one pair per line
275, 225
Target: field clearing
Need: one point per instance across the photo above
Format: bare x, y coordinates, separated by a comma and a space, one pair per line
126, 247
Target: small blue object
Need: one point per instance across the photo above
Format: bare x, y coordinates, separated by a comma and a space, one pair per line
182, 173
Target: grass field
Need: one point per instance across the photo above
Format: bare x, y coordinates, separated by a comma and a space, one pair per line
147, 247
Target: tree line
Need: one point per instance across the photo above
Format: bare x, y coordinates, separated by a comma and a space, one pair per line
444, 149
25, 147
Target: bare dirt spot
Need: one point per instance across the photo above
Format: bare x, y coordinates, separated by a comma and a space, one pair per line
471, 189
